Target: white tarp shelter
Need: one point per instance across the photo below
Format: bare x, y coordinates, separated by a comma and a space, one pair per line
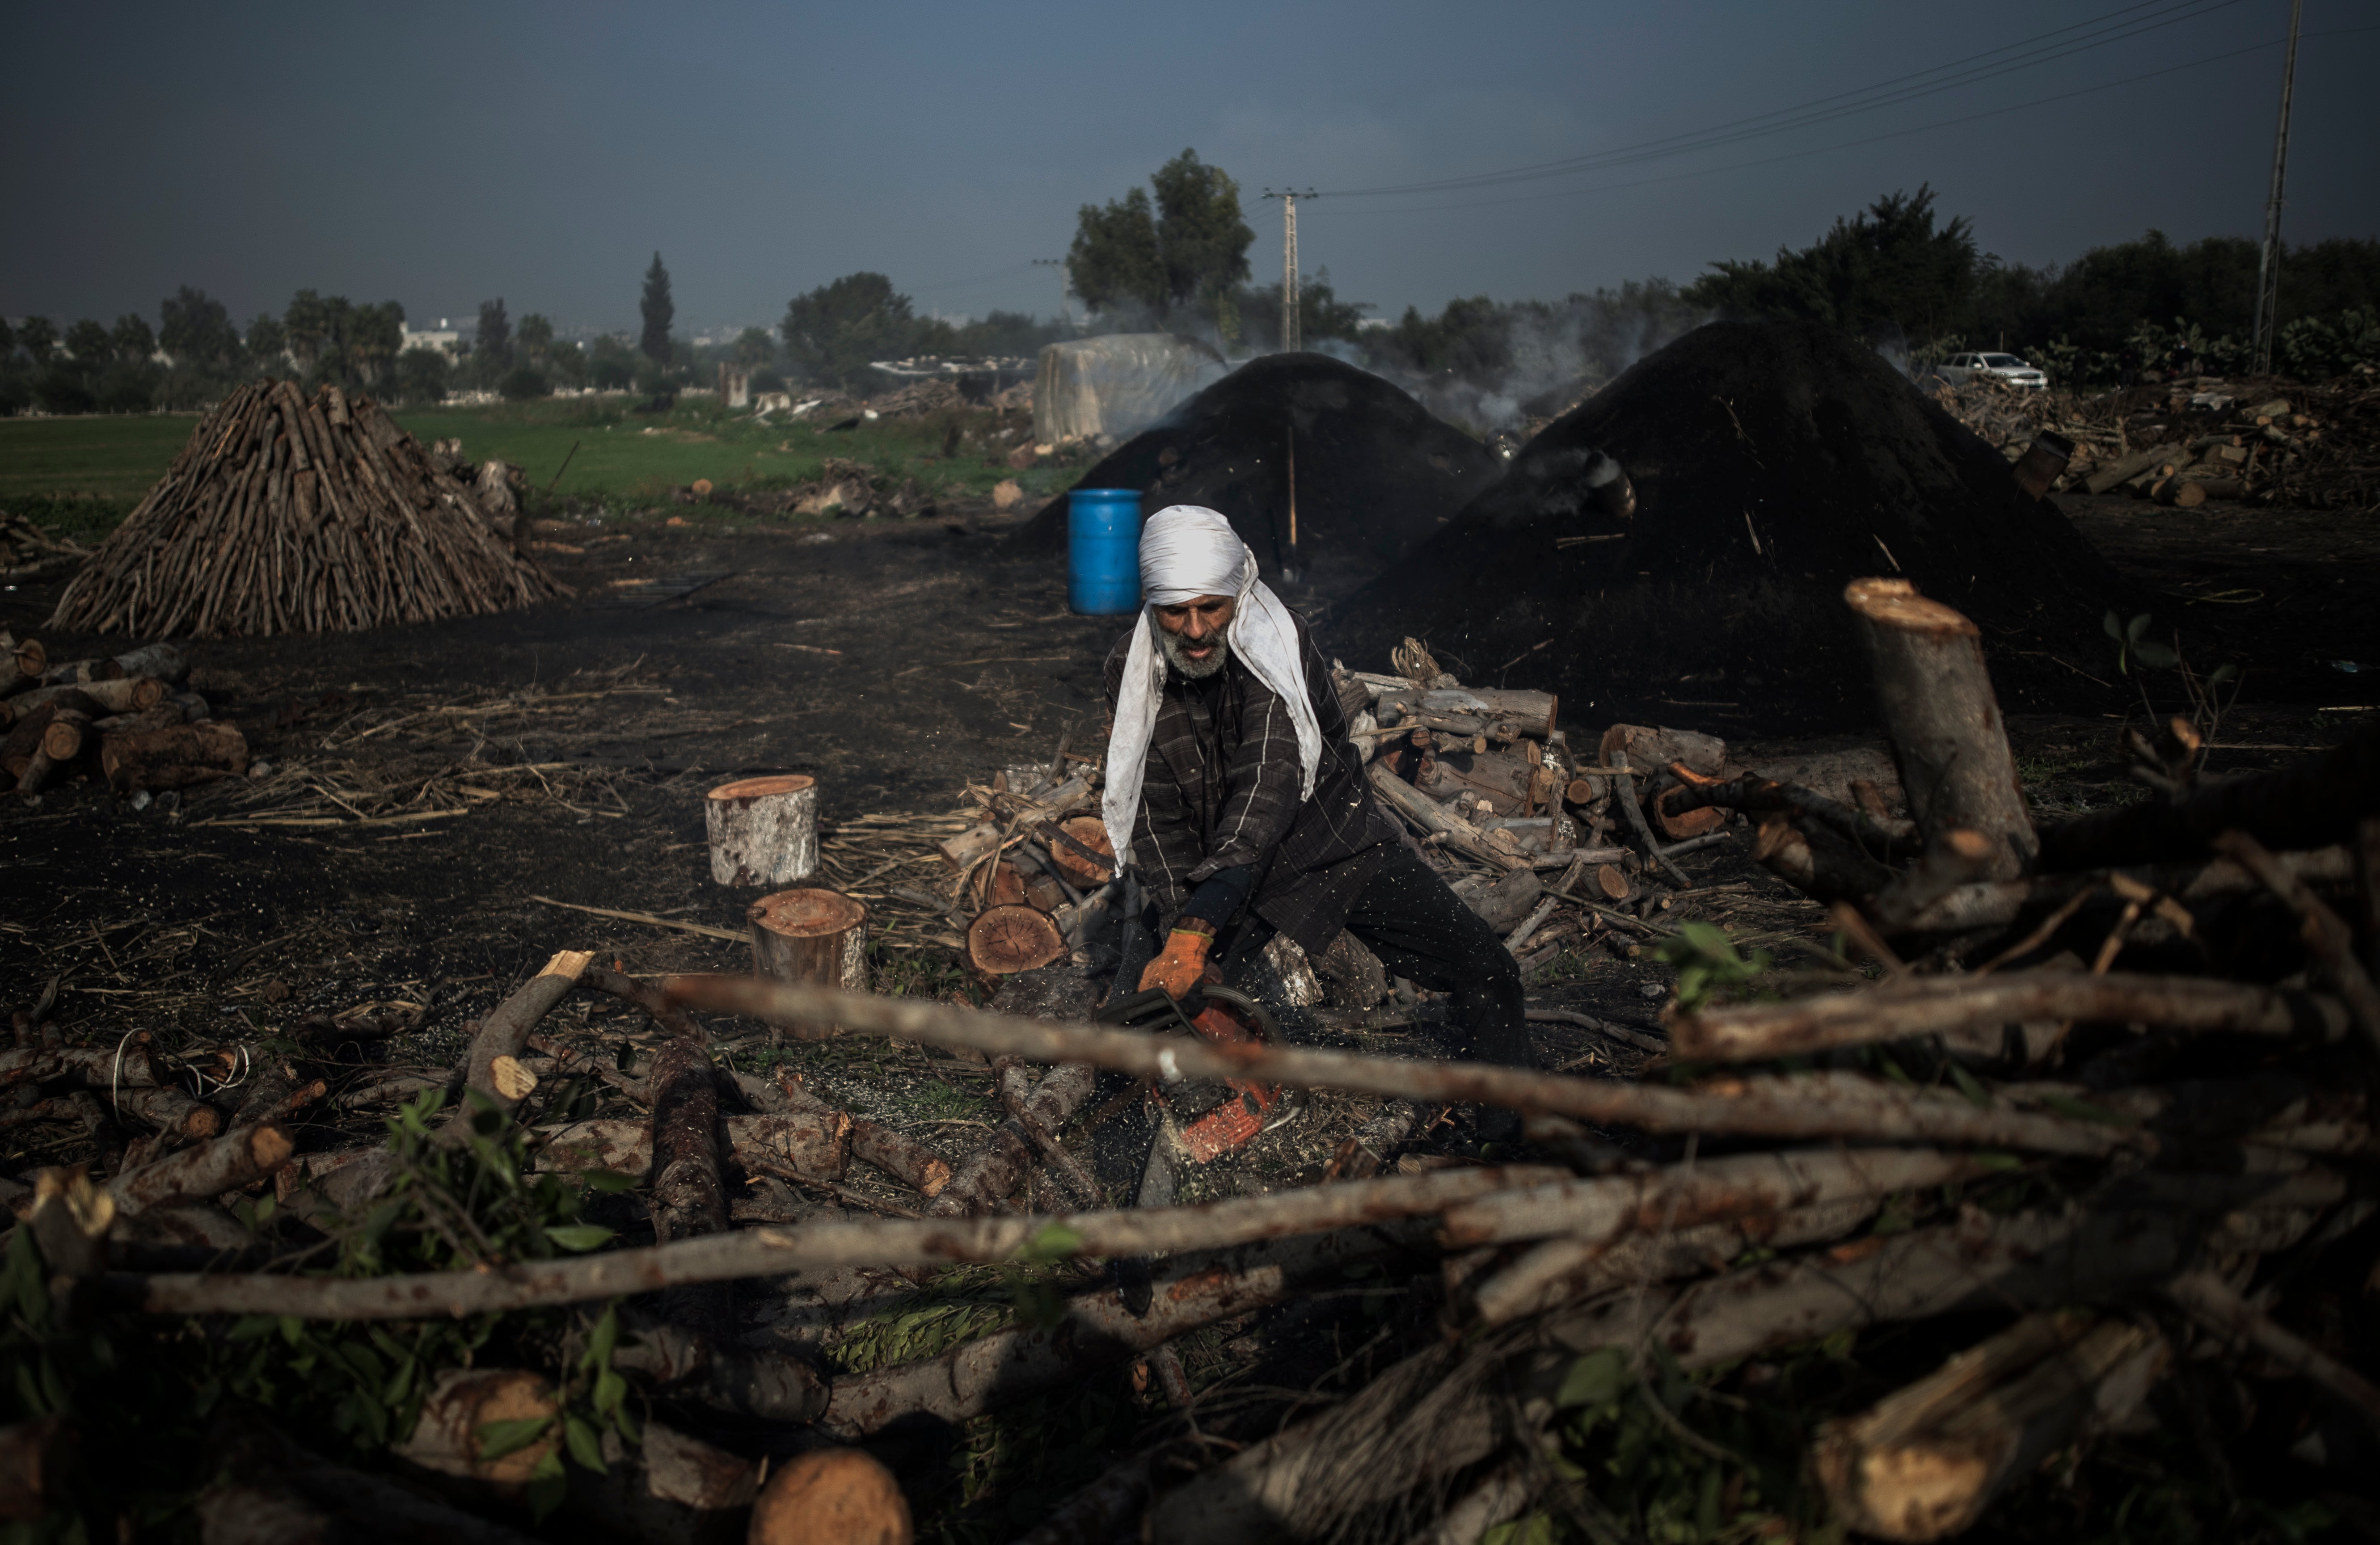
1115, 386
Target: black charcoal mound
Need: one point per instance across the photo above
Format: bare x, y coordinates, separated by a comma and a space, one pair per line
1774, 463
1375, 474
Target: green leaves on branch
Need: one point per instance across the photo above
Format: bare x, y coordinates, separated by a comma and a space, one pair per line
1707, 965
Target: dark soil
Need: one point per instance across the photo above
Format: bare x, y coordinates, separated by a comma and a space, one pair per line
1773, 462
895, 662
1375, 474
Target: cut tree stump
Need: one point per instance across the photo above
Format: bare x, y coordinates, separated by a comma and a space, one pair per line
1944, 719
1004, 940
763, 830
811, 935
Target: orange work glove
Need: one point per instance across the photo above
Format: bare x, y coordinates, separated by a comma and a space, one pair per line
1185, 961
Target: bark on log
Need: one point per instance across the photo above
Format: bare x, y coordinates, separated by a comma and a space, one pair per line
754, 1252
1944, 719
98, 699
1944, 1005
1557, 1272
1924, 1462
504, 1034
1437, 821
1599, 1211
165, 662
897, 1153
765, 1386
173, 758
207, 1170
815, 1147
687, 1200
844, 1495
1818, 860
171, 1111
2124, 468
1096, 1330
763, 830
76, 672
995, 1170
131, 1063
810, 935
1825, 1104
1647, 749
2313, 803
1004, 940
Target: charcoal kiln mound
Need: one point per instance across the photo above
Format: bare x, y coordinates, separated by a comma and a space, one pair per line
1375, 474
1773, 464
287, 513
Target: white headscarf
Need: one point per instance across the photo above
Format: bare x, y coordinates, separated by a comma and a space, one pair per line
1188, 551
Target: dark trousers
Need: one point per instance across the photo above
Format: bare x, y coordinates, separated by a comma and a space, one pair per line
1422, 931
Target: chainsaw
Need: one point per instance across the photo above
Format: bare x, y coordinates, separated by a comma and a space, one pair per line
1223, 1016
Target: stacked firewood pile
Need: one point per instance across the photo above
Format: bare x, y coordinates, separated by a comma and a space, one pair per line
2266, 441
128, 721
285, 515
29, 552
1552, 848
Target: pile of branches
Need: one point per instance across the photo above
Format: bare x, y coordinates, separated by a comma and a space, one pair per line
285, 515
2269, 443
29, 552
128, 721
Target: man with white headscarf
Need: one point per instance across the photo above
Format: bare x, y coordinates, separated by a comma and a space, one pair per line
1233, 788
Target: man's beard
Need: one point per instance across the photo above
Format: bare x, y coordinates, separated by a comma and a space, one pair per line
1179, 662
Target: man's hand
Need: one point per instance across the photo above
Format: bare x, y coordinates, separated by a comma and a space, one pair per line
1182, 964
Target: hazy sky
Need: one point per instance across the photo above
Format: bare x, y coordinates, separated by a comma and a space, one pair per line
439, 154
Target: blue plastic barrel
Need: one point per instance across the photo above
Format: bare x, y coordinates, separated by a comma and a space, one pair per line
1103, 552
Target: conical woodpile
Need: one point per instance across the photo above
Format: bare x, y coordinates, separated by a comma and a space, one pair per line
288, 515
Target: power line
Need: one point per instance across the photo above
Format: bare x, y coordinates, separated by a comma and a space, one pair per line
1866, 98
1867, 139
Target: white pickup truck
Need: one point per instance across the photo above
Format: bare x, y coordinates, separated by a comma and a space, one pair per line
2006, 368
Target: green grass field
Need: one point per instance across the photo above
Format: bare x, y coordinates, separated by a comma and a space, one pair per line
86, 473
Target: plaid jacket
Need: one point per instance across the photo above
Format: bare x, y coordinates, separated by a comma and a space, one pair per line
1221, 790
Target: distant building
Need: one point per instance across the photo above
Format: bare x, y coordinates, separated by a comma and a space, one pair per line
444, 338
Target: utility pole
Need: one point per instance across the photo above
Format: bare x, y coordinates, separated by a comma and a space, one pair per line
2268, 267
1066, 315
1289, 319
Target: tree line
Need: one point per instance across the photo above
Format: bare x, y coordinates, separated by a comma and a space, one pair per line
1175, 256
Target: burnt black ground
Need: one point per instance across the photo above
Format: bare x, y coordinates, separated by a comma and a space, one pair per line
1376, 473
1773, 462
895, 662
